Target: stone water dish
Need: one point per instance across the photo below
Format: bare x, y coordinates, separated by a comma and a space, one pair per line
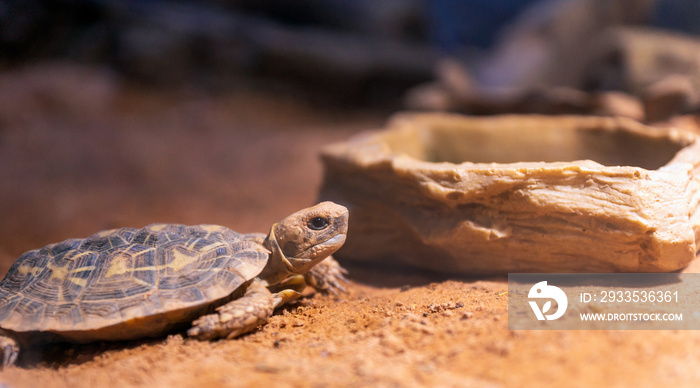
468, 195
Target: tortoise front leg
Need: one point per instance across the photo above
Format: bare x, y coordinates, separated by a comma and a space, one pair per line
237, 317
9, 348
327, 276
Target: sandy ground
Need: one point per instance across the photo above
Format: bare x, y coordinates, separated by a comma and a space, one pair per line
80, 154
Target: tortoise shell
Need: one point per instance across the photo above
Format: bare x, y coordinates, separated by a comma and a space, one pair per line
127, 283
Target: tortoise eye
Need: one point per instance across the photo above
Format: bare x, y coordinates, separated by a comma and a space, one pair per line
318, 223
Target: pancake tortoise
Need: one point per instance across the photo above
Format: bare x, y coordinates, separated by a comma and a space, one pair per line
130, 283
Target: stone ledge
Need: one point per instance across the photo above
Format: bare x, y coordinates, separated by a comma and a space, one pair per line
503, 194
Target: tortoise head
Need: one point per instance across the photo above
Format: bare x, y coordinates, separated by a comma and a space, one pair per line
304, 239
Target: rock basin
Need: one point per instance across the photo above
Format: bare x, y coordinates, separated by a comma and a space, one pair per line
466, 195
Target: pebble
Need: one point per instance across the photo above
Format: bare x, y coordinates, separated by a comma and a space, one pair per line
438, 307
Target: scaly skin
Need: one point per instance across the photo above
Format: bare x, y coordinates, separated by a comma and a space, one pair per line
327, 276
9, 349
237, 317
301, 247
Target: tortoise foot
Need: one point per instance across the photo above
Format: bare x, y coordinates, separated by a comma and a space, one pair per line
9, 348
237, 317
327, 276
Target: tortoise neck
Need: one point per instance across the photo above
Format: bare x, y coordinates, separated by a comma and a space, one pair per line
278, 268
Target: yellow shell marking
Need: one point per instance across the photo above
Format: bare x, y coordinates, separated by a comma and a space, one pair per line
79, 281
62, 272
212, 228
180, 260
118, 266
58, 272
121, 265
105, 233
26, 269
81, 269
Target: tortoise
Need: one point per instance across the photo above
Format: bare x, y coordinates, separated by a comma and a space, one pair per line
130, 283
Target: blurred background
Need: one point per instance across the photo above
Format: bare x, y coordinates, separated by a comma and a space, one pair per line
127, 112
373, 52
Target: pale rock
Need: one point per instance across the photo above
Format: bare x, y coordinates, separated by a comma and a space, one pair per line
504, 194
